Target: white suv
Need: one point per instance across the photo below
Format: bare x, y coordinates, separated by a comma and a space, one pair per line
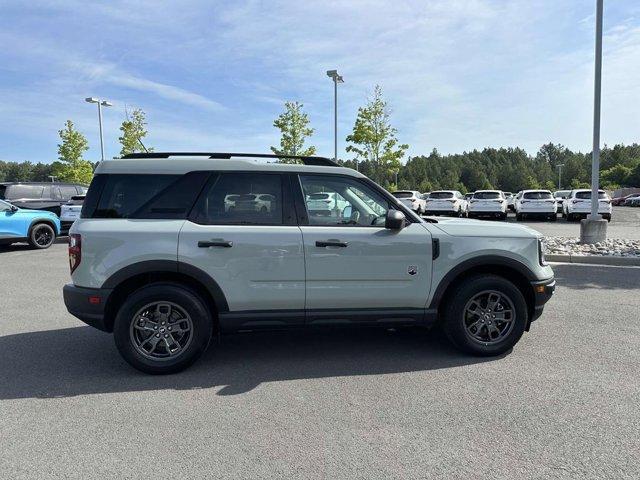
158, 259
536, 203
446, 202
488, 203
578, 205
412, 199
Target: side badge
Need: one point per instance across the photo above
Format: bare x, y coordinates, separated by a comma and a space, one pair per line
412, 270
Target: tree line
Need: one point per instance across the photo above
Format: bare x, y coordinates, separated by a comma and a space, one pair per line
376, 152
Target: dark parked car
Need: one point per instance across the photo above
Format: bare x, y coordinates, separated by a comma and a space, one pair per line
40, 195
621, 200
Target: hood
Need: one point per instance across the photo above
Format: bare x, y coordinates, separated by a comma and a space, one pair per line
463, 227
36, 213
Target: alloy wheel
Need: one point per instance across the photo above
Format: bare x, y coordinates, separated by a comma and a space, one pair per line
489, 317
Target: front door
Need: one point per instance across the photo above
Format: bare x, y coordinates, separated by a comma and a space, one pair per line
353, 263
244, 235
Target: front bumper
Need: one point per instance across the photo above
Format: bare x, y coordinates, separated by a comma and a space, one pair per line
87, 304
542, 293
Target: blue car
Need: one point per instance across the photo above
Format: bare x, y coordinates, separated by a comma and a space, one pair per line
37, 227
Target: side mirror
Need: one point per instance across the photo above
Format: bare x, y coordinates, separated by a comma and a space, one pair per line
394, 220
14, 209
346, 212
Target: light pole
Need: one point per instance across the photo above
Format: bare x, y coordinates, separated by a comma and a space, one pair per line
101, 103
333, 74
593, 229
559, 167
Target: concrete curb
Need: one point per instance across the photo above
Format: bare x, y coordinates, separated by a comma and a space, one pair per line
595, 260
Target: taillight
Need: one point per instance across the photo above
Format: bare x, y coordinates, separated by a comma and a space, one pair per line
75, 251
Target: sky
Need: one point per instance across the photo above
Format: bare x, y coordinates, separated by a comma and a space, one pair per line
213, 75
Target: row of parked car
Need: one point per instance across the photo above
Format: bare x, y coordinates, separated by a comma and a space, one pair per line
38, 212
631, 200
572, 204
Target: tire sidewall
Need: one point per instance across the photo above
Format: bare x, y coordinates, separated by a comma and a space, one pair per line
35, 229
183, 297
453, 321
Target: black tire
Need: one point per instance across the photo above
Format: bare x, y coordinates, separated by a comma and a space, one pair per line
41, 236
554, 218
518, 217
187, 301
503, 217
453, 317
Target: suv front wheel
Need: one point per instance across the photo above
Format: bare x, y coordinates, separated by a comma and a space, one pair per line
162, 328
486, 315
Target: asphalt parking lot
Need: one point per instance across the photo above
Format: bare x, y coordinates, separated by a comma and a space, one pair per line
351, 404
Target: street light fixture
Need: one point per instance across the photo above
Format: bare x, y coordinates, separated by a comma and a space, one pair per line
101, 103
333, 74
559, 167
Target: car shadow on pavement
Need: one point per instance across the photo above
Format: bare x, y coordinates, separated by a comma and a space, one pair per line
22, 246
582, 277
80, 361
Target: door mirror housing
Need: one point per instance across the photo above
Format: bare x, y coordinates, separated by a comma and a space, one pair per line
13, 209
394, 220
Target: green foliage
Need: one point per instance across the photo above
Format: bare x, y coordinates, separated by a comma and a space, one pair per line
71, 167
374, 141
25, 172
293, 124
133, 129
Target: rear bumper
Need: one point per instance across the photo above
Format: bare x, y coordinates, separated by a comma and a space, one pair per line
87, 304
542, 291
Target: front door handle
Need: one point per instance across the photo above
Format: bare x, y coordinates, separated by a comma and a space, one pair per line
331, 243
214, 243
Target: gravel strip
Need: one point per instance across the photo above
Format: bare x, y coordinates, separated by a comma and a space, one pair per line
616, 247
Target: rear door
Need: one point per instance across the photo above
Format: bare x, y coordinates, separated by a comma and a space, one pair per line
255, 255
356, 270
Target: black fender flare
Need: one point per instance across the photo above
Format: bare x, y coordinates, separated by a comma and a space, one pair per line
171, 266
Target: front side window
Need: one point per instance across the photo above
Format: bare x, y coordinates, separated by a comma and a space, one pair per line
67, 192
241, 199
345, 202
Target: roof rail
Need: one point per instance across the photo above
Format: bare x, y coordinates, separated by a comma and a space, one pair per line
307, 160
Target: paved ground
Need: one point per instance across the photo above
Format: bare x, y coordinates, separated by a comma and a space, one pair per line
376, 404
625, 223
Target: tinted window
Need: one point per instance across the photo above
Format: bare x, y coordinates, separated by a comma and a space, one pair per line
68, 192
587, 195
2, 190
25, 191
353, 204
402, 194
538, 196
486, 195
123, 195
241, 199
440, 195
562, 193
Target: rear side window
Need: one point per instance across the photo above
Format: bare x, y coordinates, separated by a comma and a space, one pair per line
241, 199
24, 191
143, 196
538, 196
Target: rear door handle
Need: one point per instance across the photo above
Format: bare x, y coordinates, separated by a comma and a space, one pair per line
214, 243
331, 243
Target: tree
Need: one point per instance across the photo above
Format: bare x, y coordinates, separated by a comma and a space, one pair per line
133, 131
293, 124
374, 139
71, 167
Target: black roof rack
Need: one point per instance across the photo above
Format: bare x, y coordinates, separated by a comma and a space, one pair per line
307, 160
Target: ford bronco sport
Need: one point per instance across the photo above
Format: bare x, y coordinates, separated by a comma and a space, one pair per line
164, 257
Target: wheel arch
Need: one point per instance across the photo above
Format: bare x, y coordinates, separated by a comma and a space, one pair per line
38, 221
129, 279
514, 271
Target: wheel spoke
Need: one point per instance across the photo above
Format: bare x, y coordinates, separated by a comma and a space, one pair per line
492, 322
152, 341
492, 301
160, 330
180, 326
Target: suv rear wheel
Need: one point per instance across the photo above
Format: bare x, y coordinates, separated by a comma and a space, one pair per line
486, 315
42, 236
162, 328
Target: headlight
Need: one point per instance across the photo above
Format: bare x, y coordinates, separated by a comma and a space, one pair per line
542, 250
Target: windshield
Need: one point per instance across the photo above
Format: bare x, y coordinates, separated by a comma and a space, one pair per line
486, 195
4, 205
538, 196
441, 195
402, 194
587, 195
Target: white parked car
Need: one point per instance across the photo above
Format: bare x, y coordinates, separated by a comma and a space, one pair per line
560, 196
536, 203
488, 203
578, 205
159, 262
326, 203
70, 212
412, 199
446, 202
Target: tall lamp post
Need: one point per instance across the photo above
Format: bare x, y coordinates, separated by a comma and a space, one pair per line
593, 229
559, 167
101, 103
333, 74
